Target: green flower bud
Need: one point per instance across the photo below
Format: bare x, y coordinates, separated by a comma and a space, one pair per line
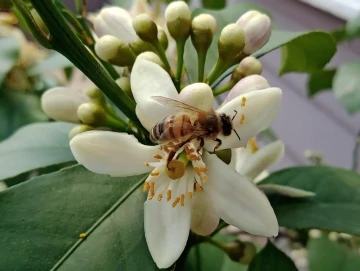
145, 28
163, 39
141, 46
231, 43
248, 66
242, 252
203, 29
151, 56
178, 20
124, 84
91, 114
79, 129
114, 51
95, 95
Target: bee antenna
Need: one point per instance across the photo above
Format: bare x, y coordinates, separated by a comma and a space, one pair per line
237, 134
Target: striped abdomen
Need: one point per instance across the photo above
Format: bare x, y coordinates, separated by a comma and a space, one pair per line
172, 128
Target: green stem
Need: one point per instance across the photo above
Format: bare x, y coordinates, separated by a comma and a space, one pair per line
215, 243
201, 54
221, 225
180, 47
224, 88
219, 69
160, 50
222, 77
39, 35
117, 123
67, 43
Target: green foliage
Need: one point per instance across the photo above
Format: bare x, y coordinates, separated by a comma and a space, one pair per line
271, 258
352, 28
213, 4
9, 54
53, 210
346, 86
320, 81
35, 146
16, 110
328, 255
294, 44
333, 207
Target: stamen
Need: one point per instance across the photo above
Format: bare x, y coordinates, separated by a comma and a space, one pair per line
182, 199
152, 190
198, 187
176, 201
190, 194
242, 119
157, 156
252, 144
243, 101
146, 186
160, 197
168, 195
204, 178
155, 173
147, 164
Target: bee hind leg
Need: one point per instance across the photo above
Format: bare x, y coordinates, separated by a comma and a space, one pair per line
219, 142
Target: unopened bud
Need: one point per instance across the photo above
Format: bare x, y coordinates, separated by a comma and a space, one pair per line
145, 28
79, 129
257, 28
95, 95
91, 114
151, 56
116, 22
124, 84
242, 252
231, 43
114, 51
163, 38
139, 46
203, 29
249, 83
248, 66
178, 20
39, 21
61, 103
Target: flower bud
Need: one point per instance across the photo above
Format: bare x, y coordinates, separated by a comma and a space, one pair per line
91, 114
231, 42
257, 28
163, 38
203, 29
124, 84
249, 83
61, 103
114, 51
79, 129
242, 252
139, 46
151, 56
95, 95
116, 22
248, 66
178, 20
145, 28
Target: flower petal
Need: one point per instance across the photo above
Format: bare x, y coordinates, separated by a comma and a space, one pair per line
285, 190
239, 157
204, 218
238, 201
166, 230
149, 79
198, 95
262, 159
256, 110
116, 154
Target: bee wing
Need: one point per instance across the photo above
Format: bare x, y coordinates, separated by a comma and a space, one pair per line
177, 105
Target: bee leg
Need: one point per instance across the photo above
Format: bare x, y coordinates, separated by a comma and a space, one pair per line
219, 142
202, 142
234, 115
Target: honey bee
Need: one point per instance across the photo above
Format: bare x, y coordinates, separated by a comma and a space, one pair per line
190, 122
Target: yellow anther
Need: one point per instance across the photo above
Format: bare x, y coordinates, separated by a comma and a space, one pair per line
193, 156
182, 199
157, 156
160, 197
146, 186
176, 201
147, 164
242, 119
190, 194
82, 235
252, 144
243, 101
200, 170
168, 195
150, 196
152, 188
198, 187
204, 178
155, 173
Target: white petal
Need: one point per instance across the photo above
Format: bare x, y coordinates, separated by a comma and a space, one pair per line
238, 201
61, 103
149, 79
253, 116
166, 230
116, 154
262, 159
3, 186
239, 156
116, 22
198, 95
261, 177
204, 218
285, 190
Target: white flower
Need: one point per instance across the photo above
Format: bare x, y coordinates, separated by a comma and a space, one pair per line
252, 162
192, 197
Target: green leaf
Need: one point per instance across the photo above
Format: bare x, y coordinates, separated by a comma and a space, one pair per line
55, 61
309, 52
18, 109
334, 206
35, 146
315, 55
346, 86
9, 54
271, 258
328, 255
320, 81
352, 27
42, 219
213, 4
